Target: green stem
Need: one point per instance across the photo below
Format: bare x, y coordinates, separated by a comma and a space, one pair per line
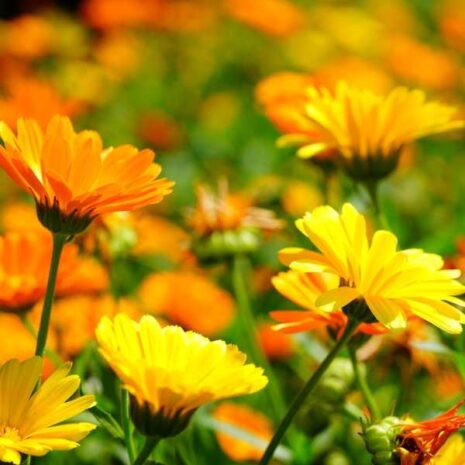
59, 241
126, 425
248, 325
150, 444
372, 188
306, 391
362, 383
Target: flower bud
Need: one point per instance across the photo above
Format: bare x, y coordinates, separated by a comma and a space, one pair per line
380, 441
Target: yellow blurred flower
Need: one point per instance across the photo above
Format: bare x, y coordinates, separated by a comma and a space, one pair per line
451, 453
392, 284
188, 299
368, 130
169, 373
31, 418
246, 420
274, 17
300, 197
24, 264
73, 179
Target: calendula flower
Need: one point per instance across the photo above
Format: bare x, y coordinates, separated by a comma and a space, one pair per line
391, 284
169, 373
451, 453
304, 289
31, 419
275, 345
24, 263
246, 420
72, 178
209, 311
420, 442
368, 130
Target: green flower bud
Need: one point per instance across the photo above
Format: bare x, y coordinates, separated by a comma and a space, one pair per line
380, 441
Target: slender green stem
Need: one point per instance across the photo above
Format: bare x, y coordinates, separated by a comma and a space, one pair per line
59, 240
149, 446
126, 425
248, 325
306, 391
362, 383
372, 188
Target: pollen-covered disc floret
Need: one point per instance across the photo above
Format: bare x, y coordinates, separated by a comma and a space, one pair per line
390, 283
72, 178
170, 372
31, 419
368, 131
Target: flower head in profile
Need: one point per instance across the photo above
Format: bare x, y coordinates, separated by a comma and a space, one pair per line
169, 373
421, 443
72, 178
373, 274
24, 263
31, 419
368, 130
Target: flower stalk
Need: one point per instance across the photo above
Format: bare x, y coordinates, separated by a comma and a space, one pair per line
149, 446
126, 425
307, 390
59, 241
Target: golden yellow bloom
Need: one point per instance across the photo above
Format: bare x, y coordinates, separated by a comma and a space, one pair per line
188, 299
73, 179
451, 453
369, 130
30, 419
393, 284
247, 420
170, 373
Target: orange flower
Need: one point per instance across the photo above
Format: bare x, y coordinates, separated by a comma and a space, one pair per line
419, 442
245, 420
74, 320
274, 17
160, 130
452, 23
73, 179
303, 289
25, 98
20, 216
226, 212
189, 300
275, 345
24, 263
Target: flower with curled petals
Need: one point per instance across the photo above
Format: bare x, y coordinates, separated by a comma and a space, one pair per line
72, 178
391, 284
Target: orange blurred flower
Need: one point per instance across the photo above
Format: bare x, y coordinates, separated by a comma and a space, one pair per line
452, 23
275, 345
27, 37
247, 420
303, 289
20, 216
160, 130
274, 17
73, 179
434, 68
24, 264
75, 319
300, 197
33, 98
227, 211
188, 299
419, 442
448, 384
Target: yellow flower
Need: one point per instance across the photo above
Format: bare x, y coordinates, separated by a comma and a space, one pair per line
451, 453
369, 130
392, 283
29, 418
73, 179
170, 373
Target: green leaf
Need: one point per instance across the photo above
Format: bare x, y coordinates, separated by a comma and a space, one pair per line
108, 422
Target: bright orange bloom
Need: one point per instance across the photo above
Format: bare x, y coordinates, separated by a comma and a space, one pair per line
73, 179
419, 442
227, 212
304, 289
24, 264
25, 98
74, 320
256, 425
188, 299
275, 345
274, 17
